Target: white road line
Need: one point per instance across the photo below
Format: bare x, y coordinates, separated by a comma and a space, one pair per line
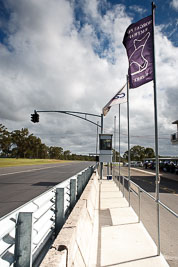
144, 171
31, 170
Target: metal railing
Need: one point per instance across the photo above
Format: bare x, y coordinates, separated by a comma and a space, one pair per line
137, 190
27, 232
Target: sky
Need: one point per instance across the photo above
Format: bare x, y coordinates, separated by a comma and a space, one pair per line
68, 55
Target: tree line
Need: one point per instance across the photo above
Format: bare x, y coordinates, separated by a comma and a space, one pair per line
139, 153
22, 144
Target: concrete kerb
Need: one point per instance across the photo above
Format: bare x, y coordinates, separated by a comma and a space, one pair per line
72, 245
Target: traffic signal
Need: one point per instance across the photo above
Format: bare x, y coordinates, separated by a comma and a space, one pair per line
35, 117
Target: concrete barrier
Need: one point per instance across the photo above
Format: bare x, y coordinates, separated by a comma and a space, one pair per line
73, 244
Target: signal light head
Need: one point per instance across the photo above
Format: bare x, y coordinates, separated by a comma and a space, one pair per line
35, 117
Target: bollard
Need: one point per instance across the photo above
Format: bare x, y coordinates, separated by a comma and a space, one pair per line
72, 193
59, 216
23, 240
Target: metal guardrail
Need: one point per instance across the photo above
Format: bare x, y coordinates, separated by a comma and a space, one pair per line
27, 232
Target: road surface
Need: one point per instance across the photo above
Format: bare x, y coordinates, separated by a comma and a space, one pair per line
19, 185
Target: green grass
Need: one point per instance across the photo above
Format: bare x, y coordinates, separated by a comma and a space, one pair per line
22, 162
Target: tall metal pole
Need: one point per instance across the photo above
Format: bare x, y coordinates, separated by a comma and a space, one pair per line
128, 121
156, 130
101, 163
119, 142
97, 139
102, 123
115, 138
114, 146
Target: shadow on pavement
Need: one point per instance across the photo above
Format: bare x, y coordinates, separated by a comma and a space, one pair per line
45, 184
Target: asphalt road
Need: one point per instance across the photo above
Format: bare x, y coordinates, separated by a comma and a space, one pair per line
19, 185
168, 222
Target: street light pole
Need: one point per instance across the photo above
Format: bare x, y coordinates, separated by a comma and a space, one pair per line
79, 115
74, 114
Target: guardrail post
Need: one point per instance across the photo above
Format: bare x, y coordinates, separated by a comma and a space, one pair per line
23, 240
59, 218
82, 182
90, 172
85, 174
72, 193
84, 179
79, 185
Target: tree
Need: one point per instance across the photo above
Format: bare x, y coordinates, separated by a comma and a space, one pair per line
43, 151
115, 155
149, 152
33, 146
5, 141
139, 153
20, 142
67, 154
55, 152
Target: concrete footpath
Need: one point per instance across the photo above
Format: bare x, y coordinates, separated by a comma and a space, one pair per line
119, 239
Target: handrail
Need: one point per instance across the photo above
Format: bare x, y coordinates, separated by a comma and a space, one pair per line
152, 197
168, 209
136, 189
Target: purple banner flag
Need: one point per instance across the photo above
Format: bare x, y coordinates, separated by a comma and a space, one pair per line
138, 41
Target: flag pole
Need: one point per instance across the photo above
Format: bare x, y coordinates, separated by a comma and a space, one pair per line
156, 131
114, 146
97, 139
128, 121
101, 163
119, 144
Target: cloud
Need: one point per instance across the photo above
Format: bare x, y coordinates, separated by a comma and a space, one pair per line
138, 9
54, 61
174, 4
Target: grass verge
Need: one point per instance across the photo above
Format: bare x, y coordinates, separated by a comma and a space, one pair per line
22, 162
